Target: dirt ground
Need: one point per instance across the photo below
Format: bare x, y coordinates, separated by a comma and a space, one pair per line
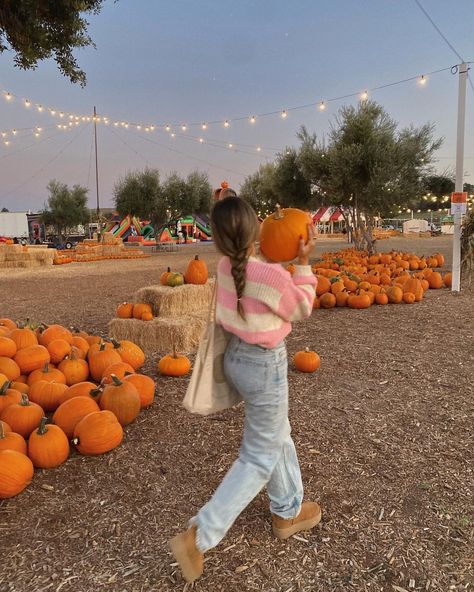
384, 432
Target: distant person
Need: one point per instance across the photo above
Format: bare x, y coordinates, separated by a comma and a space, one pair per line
16, 241
185, 234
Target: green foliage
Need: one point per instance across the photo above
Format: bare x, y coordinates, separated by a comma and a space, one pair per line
36, 30
141, 194
66, 208
259, 191
368, 167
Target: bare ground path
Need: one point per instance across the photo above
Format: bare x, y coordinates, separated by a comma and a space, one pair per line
383, 430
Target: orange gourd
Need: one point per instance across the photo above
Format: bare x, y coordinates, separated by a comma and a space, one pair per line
9, 368
435, 280
48, 446
47, 373
58, 350
381, 298
140, 308
8, 396
395, 294
323, 285
81, 389
281, 232
97, 433
196, 272
306, 360
46, 394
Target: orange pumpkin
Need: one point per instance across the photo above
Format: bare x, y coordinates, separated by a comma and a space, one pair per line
125, 310
359, 301
8, 323
101, 360
122, 399
130, 353
381, 298
281, 232
23, 338
306, 360
70, 413
53, 332
47, 394
120, 370
74, 369
16, 472
81, 389
196, 272
58, 350
395, 294
23, 417
145, 387
9, 368
48, 446
47, 373
316, 303
32, 358
164, 277
323, 285
447, 281
174, 365
8, 347
97, 433
8, 395
12, 441
80, 344
327, 300
341, 298
140, 308
408, 298
435, 280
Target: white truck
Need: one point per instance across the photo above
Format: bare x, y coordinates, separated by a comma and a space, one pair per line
13, 224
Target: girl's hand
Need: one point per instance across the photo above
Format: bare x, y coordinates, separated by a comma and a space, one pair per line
305, 249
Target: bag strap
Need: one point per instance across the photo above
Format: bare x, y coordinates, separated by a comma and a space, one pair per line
212, 307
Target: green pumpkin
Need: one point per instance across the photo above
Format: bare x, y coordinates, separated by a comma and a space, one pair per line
175, 279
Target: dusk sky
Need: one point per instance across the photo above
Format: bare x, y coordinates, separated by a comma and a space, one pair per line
183, 61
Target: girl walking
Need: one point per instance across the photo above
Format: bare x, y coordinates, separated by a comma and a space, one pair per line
256, 303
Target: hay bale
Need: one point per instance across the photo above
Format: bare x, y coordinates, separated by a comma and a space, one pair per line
178, 301
160, 334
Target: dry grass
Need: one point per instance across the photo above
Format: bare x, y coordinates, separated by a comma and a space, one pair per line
177, 301
383, 431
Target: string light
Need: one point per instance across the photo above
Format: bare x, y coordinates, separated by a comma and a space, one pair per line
231, 145
184, 127
253, 119
422, 80
168, 128
27, 103
226, 123
364, 95
322, 106
8, 96
204, 126
7, 142
173, 135
284, 114
14, 132
259, 149
39, 108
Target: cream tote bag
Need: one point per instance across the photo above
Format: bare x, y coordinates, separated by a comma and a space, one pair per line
208, 390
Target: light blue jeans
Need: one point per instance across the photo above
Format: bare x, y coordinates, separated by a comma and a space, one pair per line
267, 454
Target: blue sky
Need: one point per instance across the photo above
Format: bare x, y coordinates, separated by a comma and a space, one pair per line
187, 61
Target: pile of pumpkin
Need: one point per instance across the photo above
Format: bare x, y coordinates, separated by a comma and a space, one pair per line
62, 260
354, 279
196, 273
58, 386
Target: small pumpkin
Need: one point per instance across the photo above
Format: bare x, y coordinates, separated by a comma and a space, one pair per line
81, 389
58, 350
46, 394
16, 472
125, 310
48, 446
435, 281
145, 387
409, 298
24, 337
447, 280
70, 413
381, 298
5, 426
140, 308
23, 417
147, 316
359, 301
174, 365
97, 433
8, 347
306, 360
196, 272
53, 332
323, 285
130, 353
47, 373
122, 399
341, 298
32, 358
395, 294
8, 396
8, 323
120, 370
80, 344
101, 360
281, 232
175, 279
12, 441
74, 369
327, 300
164, 277
9, 368
20, 386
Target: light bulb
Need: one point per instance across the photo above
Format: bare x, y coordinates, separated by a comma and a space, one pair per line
173, 135
36, 135
139, 127
116, 123
204, 126
152, 128
422, 80
14, 132
7, 143
4, 134
184, 127
126, 125
364, 95
52, 111
147, 129
284, 114
201, 140
258, 149
8, 96
27, 103
253, 119
72, 117
40, 108
231, 145
61, 115
167, 128
226, 123
322, 106
39, 129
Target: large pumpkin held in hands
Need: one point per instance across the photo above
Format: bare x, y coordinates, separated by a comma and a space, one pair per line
281, 232
197, 272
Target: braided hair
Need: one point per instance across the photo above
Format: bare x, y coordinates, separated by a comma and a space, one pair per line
235, 229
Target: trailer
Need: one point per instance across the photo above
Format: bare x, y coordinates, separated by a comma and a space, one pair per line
14, 225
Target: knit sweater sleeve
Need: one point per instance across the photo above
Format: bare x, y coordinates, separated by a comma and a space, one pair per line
296, 294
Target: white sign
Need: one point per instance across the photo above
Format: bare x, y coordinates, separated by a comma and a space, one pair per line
458, 208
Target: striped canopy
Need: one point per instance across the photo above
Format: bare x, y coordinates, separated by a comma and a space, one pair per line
328, 214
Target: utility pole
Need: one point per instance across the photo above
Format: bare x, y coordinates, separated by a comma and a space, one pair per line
96, 168
463, 70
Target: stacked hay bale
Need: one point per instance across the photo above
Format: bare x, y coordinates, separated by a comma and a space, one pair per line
181, 314
110, 247
19, 257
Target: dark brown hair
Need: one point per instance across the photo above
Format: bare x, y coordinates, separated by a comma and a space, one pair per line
235, 228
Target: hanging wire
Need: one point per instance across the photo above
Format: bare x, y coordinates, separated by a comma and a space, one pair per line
43, 167
32, 145
451, 47
110, 129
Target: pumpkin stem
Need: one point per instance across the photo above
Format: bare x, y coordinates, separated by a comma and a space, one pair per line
46, 367
196, 258
278, 215
5, 387
115, 343
2, 431
168, 270
117, 382
25, 402
102, 346
42, 429
97, 391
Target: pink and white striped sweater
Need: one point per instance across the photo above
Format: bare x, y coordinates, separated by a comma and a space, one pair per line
272, 299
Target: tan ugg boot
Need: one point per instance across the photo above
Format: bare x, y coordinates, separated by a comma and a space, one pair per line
309, 516
186, 553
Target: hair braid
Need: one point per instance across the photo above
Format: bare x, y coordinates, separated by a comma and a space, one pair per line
239, 262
